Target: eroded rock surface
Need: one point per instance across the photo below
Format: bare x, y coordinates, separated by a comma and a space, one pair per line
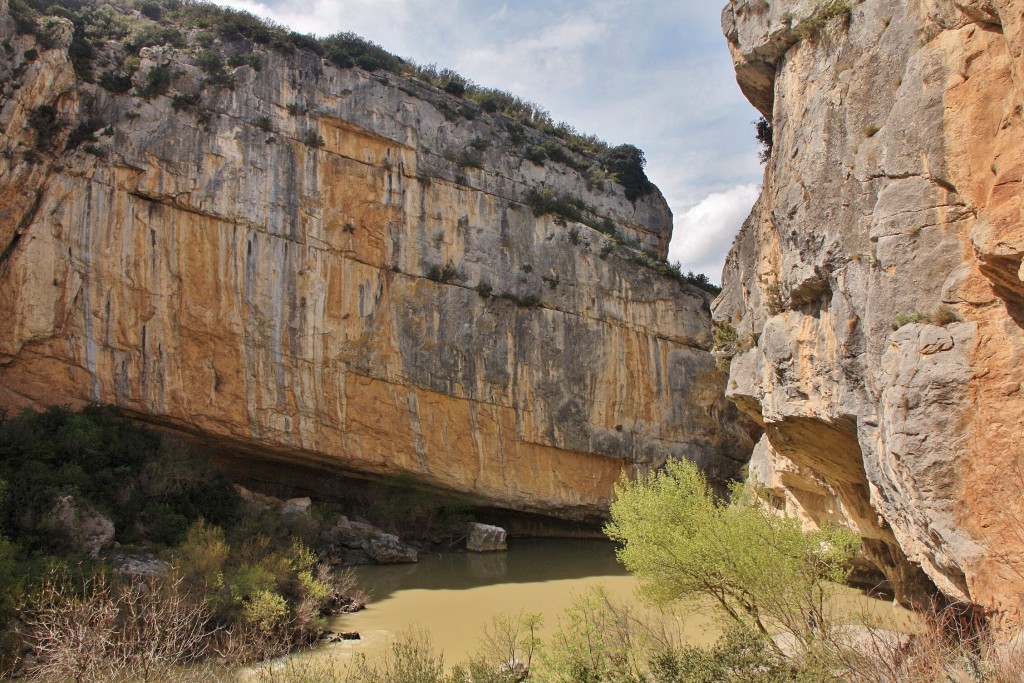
485, 538
339, 269
892, 199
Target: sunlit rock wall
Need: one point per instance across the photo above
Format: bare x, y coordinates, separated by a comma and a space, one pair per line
339, 269
892, 195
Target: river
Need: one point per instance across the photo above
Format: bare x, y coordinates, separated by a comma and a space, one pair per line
455, 595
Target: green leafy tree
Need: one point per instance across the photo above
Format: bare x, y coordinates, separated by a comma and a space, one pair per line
626, 164
760, 569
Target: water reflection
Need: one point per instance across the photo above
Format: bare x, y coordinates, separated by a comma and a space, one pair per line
455, 596
527, 561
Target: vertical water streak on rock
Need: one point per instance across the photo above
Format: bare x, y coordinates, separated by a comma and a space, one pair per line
85, 236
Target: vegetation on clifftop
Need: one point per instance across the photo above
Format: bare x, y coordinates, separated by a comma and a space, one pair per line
131, 25
109, 37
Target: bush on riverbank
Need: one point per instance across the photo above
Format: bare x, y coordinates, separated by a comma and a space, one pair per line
279, 596
84, 493
760, 569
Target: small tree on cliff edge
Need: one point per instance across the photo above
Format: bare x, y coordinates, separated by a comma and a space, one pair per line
760, 569
626, 164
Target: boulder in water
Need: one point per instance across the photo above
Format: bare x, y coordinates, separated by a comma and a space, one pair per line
484, 538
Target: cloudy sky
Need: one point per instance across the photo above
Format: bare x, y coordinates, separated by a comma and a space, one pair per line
651, 73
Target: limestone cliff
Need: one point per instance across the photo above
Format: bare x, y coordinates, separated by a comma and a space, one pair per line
342, 269
878, 280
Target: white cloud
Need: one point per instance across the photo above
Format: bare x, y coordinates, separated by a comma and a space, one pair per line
556, 53
704, 233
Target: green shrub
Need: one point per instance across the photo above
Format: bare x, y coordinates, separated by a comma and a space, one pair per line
595, 642
346, 50
908, 318
536, 154
765, 137
153, 35
210, 62
264, 123
773, 301
185, 102
697, 279
236, 59
82, 53
516, 132
152, 10
265, 610
202, 554
528, 301
945, 316
455, 88
558, 153
213, 65
759, 569
24, 17
115, 82
278, 589
826, 11
941, 317
144, 482
158, 81
739, 656
443, 274
725, 344
563, 206
47, 124
626, 164
470, 158
313, 139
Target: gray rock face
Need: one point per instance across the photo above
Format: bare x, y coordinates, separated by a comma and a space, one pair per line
83, 525
361, 543
296, 507
142, 565
879, 280
352, 534
389, 549
342, 270
484, 538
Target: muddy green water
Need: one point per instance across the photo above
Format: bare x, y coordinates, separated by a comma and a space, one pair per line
454, 596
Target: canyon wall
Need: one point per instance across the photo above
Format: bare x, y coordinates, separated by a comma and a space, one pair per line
339, 269
876, 287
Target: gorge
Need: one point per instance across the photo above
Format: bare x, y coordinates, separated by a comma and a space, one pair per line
323, 267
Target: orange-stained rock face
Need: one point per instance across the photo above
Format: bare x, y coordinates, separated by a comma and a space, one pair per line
375, 305
894, 193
